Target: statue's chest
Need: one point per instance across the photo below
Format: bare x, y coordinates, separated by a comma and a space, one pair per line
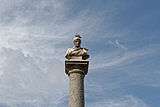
77, 52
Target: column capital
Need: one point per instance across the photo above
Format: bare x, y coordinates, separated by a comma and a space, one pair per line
76, 67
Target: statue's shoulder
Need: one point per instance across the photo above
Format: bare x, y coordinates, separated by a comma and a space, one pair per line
69, 50
85, 49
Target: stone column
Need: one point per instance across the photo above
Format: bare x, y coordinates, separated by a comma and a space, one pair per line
76, 70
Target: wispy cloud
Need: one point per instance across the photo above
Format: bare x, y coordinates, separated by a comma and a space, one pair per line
33, 40
126, 101
34, 35
126, 58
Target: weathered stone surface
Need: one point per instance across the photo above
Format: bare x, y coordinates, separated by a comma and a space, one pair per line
76, 88
76, 70
76, 67
77, 53
82, 65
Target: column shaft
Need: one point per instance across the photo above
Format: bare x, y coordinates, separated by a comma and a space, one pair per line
76, 88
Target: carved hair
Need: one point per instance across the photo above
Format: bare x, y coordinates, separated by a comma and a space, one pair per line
77, 37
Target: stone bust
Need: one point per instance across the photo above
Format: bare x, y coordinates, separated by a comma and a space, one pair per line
77, 53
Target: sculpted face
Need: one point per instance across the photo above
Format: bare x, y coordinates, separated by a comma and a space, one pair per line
77, 43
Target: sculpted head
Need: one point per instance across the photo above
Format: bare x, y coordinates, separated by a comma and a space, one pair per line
77, 41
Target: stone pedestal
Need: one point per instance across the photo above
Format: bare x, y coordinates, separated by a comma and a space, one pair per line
76, 70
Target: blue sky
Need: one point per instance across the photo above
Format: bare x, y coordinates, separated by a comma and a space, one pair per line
123, 41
